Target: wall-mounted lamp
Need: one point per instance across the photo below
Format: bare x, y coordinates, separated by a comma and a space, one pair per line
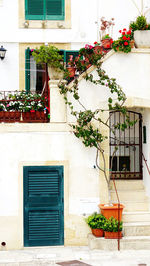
2, 52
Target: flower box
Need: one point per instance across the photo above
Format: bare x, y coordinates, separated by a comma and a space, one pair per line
10, 117
34, 117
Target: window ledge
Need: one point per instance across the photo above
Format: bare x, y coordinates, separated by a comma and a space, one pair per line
44, 24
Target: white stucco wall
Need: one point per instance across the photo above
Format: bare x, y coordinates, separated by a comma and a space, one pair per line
9, 68
85, 19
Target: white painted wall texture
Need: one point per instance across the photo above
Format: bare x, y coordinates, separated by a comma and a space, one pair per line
24, 145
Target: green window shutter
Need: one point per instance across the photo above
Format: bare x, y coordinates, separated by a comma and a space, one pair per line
55, 9
43, 206
44, 9
27, 69
34, 9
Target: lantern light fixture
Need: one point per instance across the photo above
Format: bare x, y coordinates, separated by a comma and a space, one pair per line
2, 52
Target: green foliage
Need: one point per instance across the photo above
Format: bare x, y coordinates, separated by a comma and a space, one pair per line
123, 42
96, 221
112, 225
139, 24
49, 55
24, 102
106, 37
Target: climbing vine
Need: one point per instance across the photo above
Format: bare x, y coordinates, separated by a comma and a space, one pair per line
89, 124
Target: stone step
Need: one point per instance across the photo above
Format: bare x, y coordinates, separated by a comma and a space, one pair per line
128, 217
136, 229
131, 206
127, 185
129, 195
126, 243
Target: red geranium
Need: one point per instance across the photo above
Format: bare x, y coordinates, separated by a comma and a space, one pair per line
128, 38
123, 33
125, 43
120, 31
124, 38
95, 42
124, 29
129, 32
32, 111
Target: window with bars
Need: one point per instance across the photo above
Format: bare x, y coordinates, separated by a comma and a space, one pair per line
44, 9
126, 162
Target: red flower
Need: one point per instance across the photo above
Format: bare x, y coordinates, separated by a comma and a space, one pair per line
108, 45
111, 41
128, 38
120, 31
124, 38
129, 32
125, 43
32, 111
95, 42
123, 33
124, 29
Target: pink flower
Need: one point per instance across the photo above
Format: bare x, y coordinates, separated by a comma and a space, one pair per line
7, 105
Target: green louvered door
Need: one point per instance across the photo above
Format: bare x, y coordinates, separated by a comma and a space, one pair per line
43, 206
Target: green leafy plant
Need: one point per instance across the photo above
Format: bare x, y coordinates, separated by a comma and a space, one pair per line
140, 24
123, 42
112, 225
96, 221
49, 55
106, 37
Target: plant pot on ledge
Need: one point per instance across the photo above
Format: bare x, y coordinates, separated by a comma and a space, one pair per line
113, 235
107, 43
142, 38
109, 211
97, 232
71, 71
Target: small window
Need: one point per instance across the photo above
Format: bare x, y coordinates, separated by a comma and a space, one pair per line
126, 147
44, 9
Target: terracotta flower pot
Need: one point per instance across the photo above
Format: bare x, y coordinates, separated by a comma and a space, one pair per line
72, 71
98, 232
132, 43
98, 49
109, 211
107, 43
113, 235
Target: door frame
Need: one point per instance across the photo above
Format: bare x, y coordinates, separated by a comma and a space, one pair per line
65, 164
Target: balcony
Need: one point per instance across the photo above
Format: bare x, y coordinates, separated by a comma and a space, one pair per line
22, 107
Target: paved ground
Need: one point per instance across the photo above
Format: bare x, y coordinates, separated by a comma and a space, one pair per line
53, 255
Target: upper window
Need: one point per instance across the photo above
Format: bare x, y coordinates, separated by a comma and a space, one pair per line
44, 9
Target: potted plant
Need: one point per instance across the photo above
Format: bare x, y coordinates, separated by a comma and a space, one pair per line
106, 28
114, 210
113, 228
96, 222
141, 32
107, 42
71, 66
124, 43
51, 56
